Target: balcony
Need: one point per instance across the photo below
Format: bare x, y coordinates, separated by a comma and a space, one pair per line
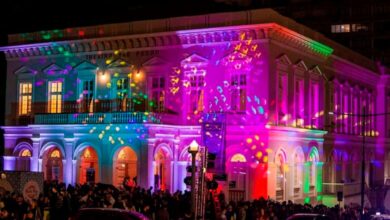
102, 112
96, 118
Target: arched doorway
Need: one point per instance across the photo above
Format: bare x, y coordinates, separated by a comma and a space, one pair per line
125, 165
88, 166
313, 160
237, 173
23, 160
162, 170
280, 162
298, 174
52, 165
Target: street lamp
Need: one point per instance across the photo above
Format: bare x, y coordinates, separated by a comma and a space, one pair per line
193, 150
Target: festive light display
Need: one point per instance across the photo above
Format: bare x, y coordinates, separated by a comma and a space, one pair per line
134, 109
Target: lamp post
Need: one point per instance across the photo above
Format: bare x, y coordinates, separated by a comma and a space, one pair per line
363, 165
193, 150
362, 179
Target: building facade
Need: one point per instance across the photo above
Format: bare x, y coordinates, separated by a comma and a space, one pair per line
283, 108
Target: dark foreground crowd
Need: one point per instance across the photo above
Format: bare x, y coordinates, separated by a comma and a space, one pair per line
61, 202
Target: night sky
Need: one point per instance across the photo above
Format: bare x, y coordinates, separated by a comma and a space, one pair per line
21, 16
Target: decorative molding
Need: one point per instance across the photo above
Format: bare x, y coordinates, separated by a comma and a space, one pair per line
168, 39
25, 70
118, 63
194, 60
85, 65
283, 59
300, 65
154, 61
53, 69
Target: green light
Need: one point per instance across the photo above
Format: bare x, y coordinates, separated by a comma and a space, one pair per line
306, 178
307, 200
319, 198
320, 48
319, 177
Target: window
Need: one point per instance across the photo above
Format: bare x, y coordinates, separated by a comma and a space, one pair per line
299, 102
283, 98
55, 97
55, 154
122, 93
25, 96
314, 104
86, 96
341, 28
25, 153
238, 158
238, 98
197, 93
158, 94
359, 27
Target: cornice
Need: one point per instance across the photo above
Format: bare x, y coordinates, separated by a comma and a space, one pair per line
165, 39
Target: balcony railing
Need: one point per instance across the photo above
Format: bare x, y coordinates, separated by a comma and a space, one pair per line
96, 118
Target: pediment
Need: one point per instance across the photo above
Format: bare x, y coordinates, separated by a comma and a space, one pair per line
194, 59
25, 70
154, 61
234, 57
85, 65
53, 68
118, 63
316, 70
283, 59
301, 65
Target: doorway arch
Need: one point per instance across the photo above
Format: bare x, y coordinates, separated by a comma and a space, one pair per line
88, 166
125, 165
52, 166
162, 169
280, 163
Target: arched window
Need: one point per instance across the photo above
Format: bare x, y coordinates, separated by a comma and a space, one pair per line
313, 159
55, 154
238, 158
25, 153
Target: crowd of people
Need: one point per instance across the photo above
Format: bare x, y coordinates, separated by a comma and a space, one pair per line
61, 202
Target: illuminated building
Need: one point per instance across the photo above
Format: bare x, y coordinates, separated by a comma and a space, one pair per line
105, 102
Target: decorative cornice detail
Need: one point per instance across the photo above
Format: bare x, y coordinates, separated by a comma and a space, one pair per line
271, 31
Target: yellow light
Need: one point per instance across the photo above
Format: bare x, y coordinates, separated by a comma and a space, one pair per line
249, 140
194, 146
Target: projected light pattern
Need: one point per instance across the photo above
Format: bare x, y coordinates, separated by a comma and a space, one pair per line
131, 104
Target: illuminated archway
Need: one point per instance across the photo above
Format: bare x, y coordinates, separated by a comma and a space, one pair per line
312, 160
237, 174
23, 160
52, 166
280, 163
125, 165
299, 159
88, 166
162, 169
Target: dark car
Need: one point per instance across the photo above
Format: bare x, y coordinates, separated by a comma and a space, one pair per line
308, 216
108, 214
379, 216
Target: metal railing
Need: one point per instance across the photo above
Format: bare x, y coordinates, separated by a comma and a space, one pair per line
96, 118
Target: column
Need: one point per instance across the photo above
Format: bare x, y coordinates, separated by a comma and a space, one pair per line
175, 181
150, 174
34, 164
68, 168
74, 171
